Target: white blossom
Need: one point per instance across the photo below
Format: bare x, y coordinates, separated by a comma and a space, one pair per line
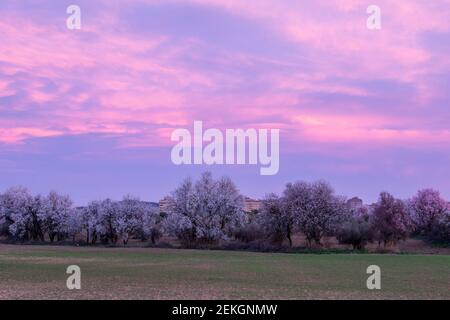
55, 212
207, 211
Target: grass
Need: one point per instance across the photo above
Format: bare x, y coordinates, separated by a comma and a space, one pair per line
38, 272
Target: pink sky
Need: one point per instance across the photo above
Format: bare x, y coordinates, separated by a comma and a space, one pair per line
367, 110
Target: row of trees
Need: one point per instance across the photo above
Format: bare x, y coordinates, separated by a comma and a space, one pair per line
314, 210
24, 217
211, 211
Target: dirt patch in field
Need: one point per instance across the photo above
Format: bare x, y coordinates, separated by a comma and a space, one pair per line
50, 260
415, 246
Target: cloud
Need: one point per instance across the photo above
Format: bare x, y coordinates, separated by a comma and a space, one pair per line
310, 68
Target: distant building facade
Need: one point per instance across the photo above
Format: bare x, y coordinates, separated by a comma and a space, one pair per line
354, 203
251, 204
164, 204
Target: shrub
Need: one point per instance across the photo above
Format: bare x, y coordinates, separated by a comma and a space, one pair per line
357, 232
440, 231
249, 232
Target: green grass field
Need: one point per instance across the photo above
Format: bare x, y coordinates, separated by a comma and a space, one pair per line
38, 272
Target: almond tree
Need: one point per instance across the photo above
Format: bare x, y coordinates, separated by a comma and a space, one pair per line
206, 211
90, 217
37, 228
74, 223
130, 217
315, 208
181, 220
440, 231
151, 227
276, 221
55, 213
426, 209
14, 212
230, 205
391, 221
19, 214
107, 223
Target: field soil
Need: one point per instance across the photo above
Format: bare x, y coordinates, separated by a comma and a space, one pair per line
39, 272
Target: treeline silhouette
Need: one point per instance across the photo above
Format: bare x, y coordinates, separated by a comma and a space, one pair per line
211, 212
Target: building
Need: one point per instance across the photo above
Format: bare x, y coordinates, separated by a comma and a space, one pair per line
164, 204
150, 205
354, 203
251, 204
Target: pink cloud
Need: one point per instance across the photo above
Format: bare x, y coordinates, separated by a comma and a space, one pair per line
128, 77
17, 135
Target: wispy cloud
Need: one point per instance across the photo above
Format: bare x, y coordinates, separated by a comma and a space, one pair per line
138, 69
